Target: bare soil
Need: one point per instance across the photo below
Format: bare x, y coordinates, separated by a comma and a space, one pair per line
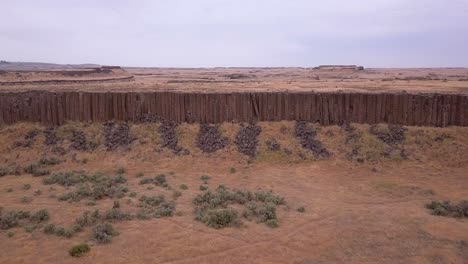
355, 212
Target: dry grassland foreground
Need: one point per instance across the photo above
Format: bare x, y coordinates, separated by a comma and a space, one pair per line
266, 192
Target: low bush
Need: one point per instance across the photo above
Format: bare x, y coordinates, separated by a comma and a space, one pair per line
103, 233
49, 229
447, 208
115, 214
88, 218
26, 199
183, 187
10, 219
220, 218
155, 206
40, 216
36, 170
120, 170
49, 161
159, 180
96, 187
79, 250
259, 206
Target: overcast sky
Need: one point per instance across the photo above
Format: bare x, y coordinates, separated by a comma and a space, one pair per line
209, 33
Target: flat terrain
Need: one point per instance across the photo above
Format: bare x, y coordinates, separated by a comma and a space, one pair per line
365, 203
447, 80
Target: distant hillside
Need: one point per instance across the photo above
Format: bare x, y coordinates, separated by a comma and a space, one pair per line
34, 66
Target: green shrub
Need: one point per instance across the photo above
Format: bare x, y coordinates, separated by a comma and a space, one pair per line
96, 187
203, 187
269, 197
10, 219
155, 206
30, 228
221, 218
232, 170
91, 203
4, 171
40, 216
159, 180
301, 209
133, 194
140, 174
146, 181
62, 232
272, 223
120, 170
10, 234
115, 214
88, 218
79, 250
446, 208
176, 194
103, 233
49, 161
205, 178
49, 229
36, 170
260, 206
26, 199
183, 187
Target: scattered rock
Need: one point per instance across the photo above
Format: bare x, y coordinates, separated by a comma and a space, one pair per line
50, 136
393, 135
59, 151
149, 118
307, 139
209, 139
273, 145
28, 140
78, 142
117, 135
246, 140
287, 151
168, 132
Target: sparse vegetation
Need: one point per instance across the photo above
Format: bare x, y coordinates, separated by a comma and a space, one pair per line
103, 233
11, 219
176, 194
159, 180
36, 170
301, 209
79, 250
40, 216
212, 208
26, 186
155, 206
26, 199
96, 187
205, 178
49, 161
183, 187
447, 208
120, 170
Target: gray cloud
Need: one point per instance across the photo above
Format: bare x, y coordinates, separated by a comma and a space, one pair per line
207, 33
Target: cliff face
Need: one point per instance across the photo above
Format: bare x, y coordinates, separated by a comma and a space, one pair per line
54, 108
